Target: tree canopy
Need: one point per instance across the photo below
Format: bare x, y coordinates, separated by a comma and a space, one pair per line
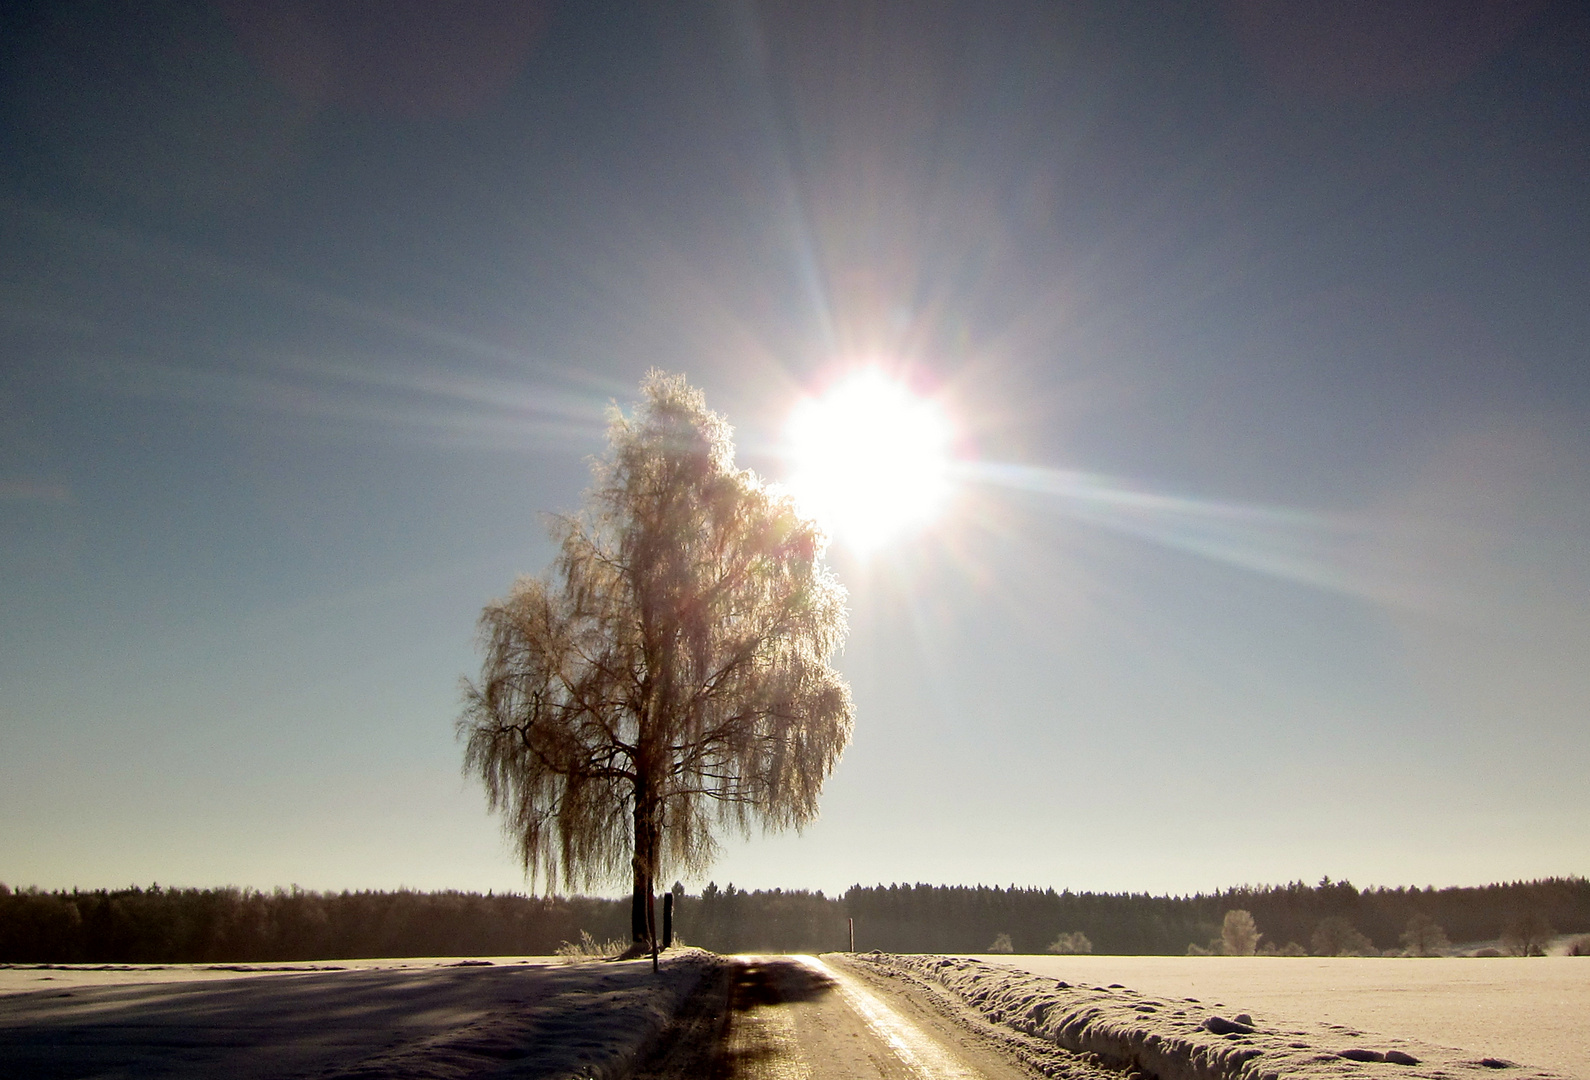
671, 672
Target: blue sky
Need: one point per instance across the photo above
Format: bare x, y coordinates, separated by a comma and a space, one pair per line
1266, 336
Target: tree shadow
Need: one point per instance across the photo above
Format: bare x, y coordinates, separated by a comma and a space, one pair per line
700, 1043
758, 984
775, 981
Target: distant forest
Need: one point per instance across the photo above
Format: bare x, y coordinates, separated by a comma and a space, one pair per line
160, 925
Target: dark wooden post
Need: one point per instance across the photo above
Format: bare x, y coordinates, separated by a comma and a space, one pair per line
852, 923
668, 919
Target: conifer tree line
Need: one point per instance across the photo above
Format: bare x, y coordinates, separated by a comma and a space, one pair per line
957, 919
162, 925
228, 925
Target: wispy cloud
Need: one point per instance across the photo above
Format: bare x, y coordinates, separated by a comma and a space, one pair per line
433, 404
34, 491
367, 365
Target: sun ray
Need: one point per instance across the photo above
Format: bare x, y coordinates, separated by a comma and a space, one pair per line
1294, 545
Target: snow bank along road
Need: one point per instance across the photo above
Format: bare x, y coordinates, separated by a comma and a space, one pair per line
1185, 1038
1534, 1009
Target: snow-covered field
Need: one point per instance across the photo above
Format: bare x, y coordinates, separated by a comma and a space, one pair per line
1535, 1011
534, 1016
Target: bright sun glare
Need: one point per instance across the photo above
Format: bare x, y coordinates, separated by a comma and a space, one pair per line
870, 459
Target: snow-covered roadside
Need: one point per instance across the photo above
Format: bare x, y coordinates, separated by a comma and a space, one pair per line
597, 1024
460, 1018
1183, 1039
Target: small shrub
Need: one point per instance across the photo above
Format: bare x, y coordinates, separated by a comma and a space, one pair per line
1580, 946
1487, 952
588, 948
1002, 945
1292, 948
1195, 949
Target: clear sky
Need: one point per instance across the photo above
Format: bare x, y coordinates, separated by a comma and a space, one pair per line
1264, 328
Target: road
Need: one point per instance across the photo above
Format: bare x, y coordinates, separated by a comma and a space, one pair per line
806, 1018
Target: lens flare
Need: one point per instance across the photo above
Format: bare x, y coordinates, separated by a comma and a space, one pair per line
871, 459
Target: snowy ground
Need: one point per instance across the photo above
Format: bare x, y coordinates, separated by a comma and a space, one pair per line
1175, 1037
1254, 1018
1533, 1010
404, 1018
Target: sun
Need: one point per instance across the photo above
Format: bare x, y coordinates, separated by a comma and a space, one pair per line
870, 459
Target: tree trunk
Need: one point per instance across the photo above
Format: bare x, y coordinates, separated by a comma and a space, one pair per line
642, 916
651, 922
637, 910
642, 886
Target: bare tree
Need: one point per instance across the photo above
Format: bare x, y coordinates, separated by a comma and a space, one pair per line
1527, 935
670, 673
1239, 934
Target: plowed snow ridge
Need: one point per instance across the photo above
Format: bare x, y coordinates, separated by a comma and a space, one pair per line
1183, 1039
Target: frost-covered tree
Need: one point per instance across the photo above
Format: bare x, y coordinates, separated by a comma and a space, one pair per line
1335, 936
1070, 944
671, 673
1423, 937
1239, 935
